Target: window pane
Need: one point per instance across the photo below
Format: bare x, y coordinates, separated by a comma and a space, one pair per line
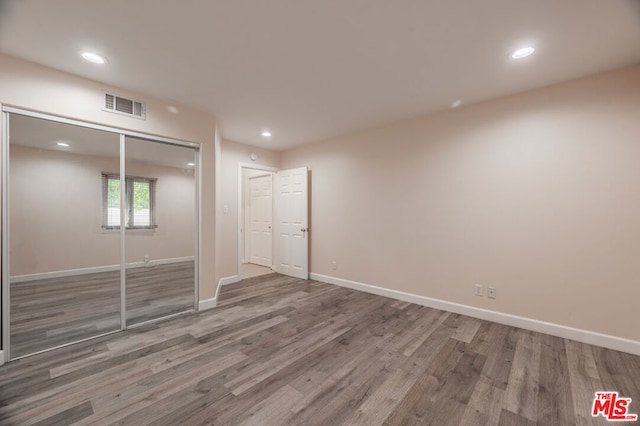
141, 204
113, 202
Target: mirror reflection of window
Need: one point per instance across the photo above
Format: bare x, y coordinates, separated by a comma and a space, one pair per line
140, 208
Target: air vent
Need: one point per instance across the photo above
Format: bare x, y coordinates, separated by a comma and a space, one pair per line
120, 105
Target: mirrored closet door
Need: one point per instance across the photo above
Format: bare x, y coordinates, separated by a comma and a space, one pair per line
64, 265
160, 229
102, 232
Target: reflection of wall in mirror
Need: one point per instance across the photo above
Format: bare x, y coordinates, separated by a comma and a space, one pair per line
56, 213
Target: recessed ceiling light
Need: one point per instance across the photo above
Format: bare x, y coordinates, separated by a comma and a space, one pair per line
523, 52
456, 103
93, 57
191, 164
266, 134
63, 144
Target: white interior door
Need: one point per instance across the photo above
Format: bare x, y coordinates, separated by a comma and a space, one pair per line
292, 227
260, 220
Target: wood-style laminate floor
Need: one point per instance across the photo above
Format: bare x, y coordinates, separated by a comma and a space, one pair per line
51, 312
280, 351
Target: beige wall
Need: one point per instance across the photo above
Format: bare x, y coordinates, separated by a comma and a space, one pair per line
56, 213
30, 86
536, 194
232, 154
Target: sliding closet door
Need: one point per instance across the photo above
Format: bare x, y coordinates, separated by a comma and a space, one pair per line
64, 245
160, 239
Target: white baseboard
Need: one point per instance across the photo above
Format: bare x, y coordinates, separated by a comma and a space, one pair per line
203, 305
167, 261
229, 280
96, 269
579, 335
60, 274
226, 280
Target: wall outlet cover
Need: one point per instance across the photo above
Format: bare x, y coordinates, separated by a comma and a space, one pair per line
478, 290
491, 292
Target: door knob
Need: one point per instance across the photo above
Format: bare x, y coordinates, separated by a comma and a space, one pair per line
305, 229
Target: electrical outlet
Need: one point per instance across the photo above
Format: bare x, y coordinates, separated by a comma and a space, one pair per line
491, 292
146, 258
478, 289
334, 265
225, 209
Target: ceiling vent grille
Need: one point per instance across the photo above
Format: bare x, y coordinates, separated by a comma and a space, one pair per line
121, 105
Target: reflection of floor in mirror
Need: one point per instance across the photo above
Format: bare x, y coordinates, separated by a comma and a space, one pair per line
250, 270
51, 312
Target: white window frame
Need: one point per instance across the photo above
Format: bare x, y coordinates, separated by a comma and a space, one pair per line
129, 211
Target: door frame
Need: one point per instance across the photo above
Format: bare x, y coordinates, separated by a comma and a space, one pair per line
241, 196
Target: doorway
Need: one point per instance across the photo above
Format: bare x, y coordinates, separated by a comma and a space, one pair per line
283, 228
255, 220
258, 219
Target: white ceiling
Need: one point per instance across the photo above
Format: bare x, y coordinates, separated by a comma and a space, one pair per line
310, 70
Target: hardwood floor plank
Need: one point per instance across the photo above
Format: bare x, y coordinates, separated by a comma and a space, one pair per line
52, 401
554, 396
383, 400
584, 379
18, 388
617, 374
162, 395
257, 373
447, 405
350, 385
412, 408
273, 410
467, 330
423, 329
508, 418
521, 395
485, 405
498, 343
68, 416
